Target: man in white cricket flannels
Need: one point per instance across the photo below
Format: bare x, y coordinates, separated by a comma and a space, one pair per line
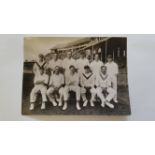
55, 90
55, 62
68, 61
72, 84
81, 62
112, 70
48, 58
96, 64
104, 89
87, 82
40, 86
39, 64
89, 60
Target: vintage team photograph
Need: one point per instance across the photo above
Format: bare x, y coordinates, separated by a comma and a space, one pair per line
75, 76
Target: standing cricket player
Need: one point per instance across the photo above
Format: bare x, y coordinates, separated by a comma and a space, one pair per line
56, 84
55, 62
112, 70
48, 58
81, 62
68, 61
72, 84
39, 64
40, 86
87, 82
96, 64
104, 89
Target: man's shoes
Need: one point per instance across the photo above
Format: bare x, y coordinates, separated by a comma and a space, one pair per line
92, 103
115, 100
43, 106
60, 103
64, 106
109, 105
78, 106
54, 103
85, 103
31, 106
102, 104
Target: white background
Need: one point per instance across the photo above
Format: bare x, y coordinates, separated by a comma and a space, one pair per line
78, 17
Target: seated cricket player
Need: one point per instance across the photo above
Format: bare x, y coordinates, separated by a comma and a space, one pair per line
40, 86
87, 82
104, 88
56, 84
72, 84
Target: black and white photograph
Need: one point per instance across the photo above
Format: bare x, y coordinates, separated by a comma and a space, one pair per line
75, 76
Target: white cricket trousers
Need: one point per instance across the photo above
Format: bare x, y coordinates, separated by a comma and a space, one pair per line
75, 89
92, 91
111, 94
34, 93
51, 90
114, 83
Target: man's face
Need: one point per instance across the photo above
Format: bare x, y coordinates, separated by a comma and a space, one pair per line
89, 58
87, 70
47, 58
69, 55
56, 70
54, 56
41, 71
104, 70
96, 57
109, 59
82, 56
72, 69
41, 58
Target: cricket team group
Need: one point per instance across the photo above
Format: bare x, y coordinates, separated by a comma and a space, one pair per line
89, 79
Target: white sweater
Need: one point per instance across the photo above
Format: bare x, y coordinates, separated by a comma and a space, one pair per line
87, 80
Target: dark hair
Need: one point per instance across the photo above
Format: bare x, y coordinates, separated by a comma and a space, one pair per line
86, 67
109, 56
103, 66
56, 67
71, 66
41, 55
83, 53
41, 68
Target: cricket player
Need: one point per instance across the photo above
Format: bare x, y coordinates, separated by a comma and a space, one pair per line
96, 64
72, 84
56, 84
112, 70
89, 60
68, 61
87, 82
55, 62
104, 89
39, 64
40, 86
81, 62
48, 58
